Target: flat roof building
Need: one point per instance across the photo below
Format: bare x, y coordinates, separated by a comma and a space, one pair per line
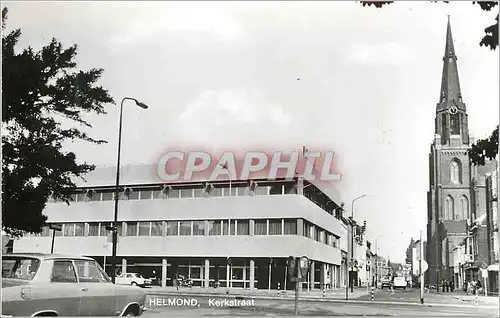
239, 233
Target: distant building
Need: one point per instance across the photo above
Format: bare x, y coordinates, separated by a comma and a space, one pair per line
380, 268
415, 263
492, 229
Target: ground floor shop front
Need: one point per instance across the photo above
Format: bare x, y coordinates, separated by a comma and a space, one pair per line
247, 273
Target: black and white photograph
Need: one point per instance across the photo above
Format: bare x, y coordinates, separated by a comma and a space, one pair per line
250, 158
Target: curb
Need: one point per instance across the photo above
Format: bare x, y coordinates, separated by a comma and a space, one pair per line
310, 299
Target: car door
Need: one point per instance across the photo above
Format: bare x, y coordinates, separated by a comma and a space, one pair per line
98, 292
62, 294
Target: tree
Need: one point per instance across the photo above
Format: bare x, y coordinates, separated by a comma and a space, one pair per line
484, 148
37, 88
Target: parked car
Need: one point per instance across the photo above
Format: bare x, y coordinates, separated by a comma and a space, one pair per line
133, 279
385, 283
61, 285
399, 282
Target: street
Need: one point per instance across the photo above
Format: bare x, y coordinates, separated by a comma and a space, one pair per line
385, 304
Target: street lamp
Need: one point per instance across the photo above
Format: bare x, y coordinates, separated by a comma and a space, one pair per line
352, 239
115, 219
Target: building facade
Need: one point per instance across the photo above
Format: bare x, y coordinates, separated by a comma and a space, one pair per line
457, 192
238, 233
492, 228
415, 256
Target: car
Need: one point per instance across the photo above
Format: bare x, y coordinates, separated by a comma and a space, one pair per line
399, 282
385, 283
35, 284
133, 279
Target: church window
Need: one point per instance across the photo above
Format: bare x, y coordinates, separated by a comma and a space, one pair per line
464, 207
448, 205
455, 124
455, 171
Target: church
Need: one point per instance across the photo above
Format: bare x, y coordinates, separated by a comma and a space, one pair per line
456, 192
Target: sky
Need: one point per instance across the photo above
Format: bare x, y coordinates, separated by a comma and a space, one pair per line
225, 75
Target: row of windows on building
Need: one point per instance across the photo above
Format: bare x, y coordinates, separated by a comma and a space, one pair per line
169, 192
452, 213
198, 228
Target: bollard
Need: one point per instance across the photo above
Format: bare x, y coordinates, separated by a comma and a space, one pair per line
477, 299
279, 291
372, 292
324, 292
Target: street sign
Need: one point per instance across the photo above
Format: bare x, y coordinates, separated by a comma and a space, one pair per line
425, 266
304, 266
484, 272
57, 227
484, 265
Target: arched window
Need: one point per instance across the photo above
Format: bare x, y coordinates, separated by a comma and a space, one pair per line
455, 124
455, 171
448, 207
464, 207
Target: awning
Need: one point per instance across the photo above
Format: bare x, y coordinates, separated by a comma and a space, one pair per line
493, 268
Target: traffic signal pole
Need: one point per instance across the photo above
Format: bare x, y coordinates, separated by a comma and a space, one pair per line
297, 291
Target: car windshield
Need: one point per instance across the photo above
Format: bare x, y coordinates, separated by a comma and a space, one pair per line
18, 267
137, 275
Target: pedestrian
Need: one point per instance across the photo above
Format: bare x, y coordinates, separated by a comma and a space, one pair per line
452, 286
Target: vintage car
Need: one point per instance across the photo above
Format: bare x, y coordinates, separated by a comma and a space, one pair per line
385, 282
133, 279
61, 285
399, 282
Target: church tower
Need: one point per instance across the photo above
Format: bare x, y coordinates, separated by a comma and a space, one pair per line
449, 173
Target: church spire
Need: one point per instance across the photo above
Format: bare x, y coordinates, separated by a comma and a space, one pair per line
450, 85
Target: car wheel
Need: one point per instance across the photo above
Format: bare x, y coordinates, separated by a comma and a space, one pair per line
134, 284
132, 311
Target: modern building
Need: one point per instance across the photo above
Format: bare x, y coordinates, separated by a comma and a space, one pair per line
239, 233
456, 193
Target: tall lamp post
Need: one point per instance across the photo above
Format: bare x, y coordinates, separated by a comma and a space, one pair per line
117, 190
352, 240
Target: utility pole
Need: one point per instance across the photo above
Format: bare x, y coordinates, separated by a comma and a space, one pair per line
420, 271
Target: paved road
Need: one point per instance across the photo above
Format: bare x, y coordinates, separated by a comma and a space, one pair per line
201, 305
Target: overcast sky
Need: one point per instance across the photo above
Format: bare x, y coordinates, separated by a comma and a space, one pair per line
225, 75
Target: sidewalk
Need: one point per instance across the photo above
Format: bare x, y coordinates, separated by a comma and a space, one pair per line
461, 298
361, 295
339, 293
